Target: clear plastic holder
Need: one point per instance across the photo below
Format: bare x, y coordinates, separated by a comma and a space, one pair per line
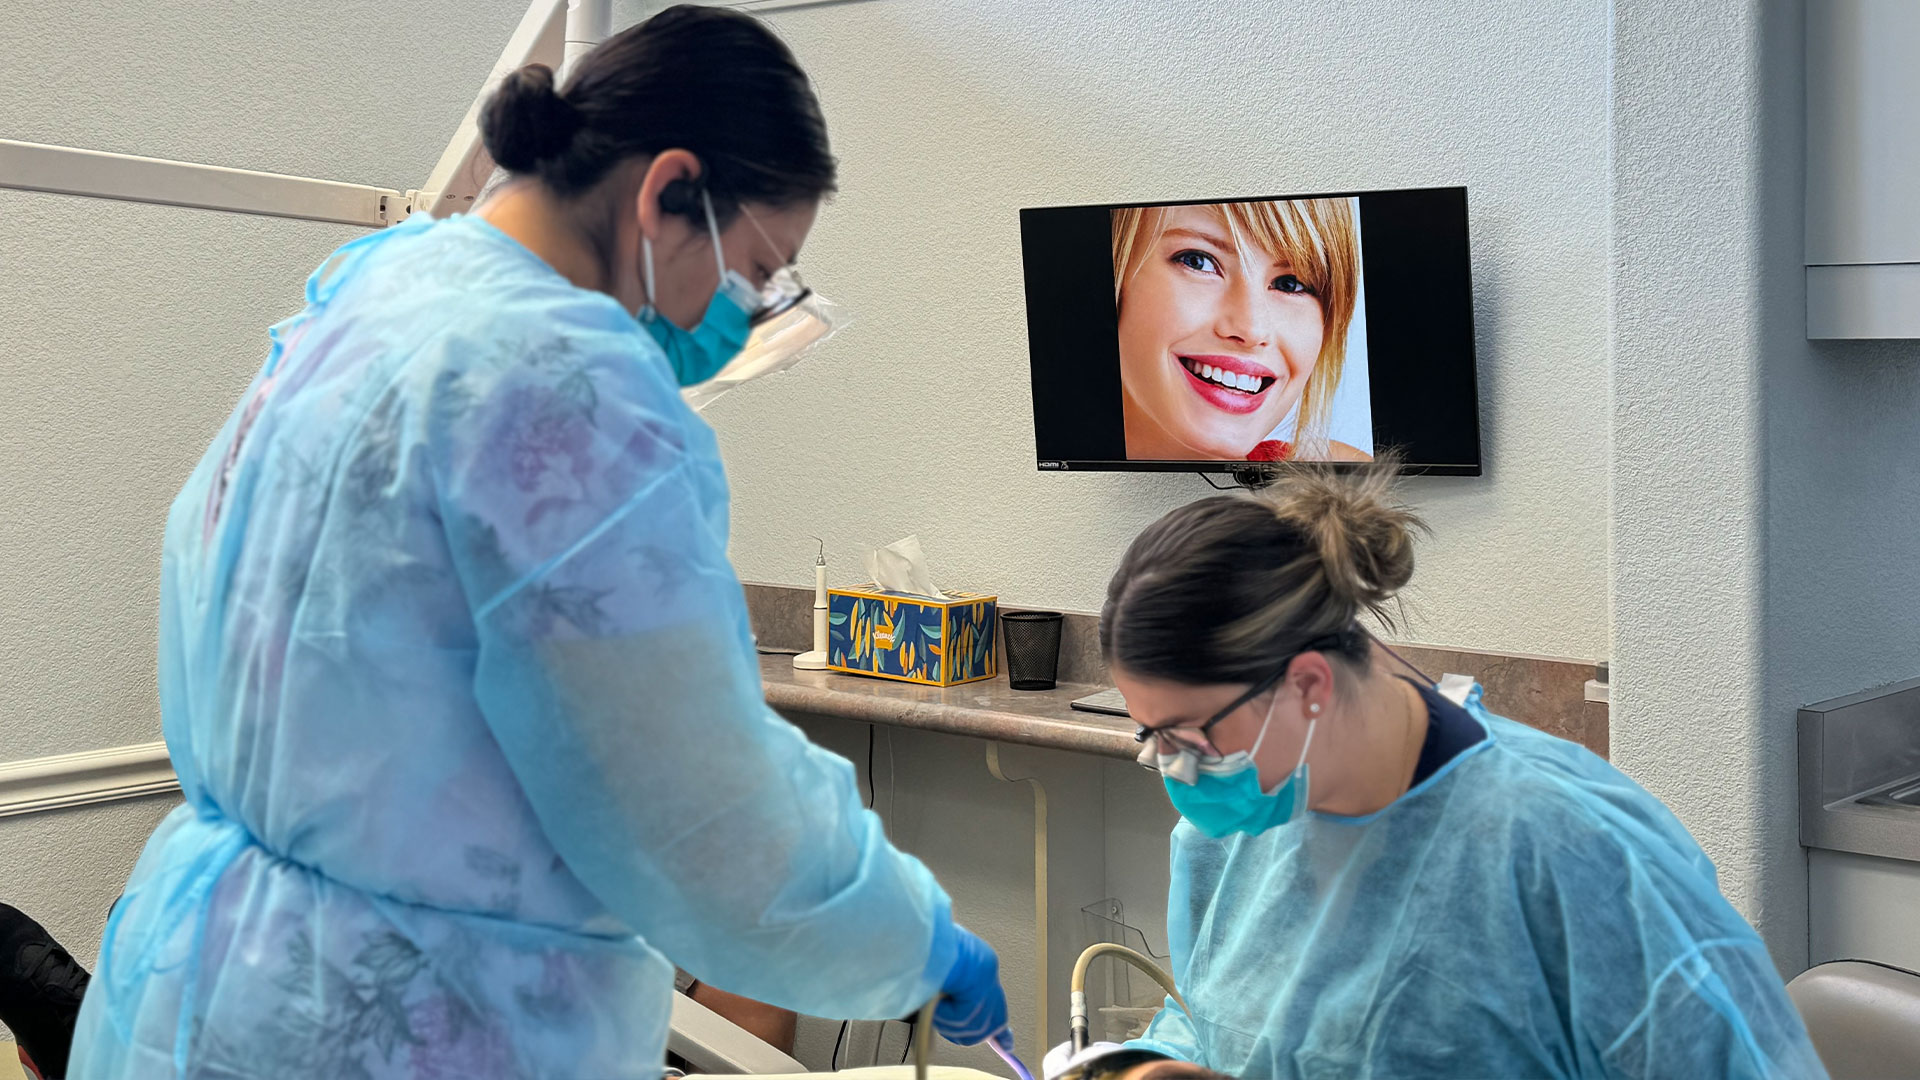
1121, 1000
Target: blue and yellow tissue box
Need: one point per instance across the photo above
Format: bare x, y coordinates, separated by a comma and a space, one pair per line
911, 638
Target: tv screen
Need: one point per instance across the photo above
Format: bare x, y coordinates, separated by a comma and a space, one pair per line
1210, 335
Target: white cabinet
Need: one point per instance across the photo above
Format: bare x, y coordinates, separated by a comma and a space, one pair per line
1863, 908
1863, 168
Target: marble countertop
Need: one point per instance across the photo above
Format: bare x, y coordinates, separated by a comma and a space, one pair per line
983, 710
1545, 692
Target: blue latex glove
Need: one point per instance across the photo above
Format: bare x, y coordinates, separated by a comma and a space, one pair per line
972, 1005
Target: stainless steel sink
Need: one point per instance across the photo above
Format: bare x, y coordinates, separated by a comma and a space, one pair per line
1860, 773
1903, 794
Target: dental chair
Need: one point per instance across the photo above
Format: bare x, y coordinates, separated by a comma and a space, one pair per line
1863, 1017
876, 1073
716, 1046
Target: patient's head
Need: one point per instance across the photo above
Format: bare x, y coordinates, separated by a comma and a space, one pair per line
1130, 1067
1158, 1071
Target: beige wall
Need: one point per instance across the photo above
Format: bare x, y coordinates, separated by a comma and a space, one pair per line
950, 117
127, 331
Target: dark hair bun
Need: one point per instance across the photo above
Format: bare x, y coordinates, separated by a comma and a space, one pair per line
1361, 531
526, 121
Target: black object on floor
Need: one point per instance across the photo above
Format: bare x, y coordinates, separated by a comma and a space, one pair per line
40, 989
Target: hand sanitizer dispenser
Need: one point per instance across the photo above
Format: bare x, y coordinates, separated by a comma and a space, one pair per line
816, 660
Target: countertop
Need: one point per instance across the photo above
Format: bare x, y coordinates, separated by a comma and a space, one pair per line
984, 710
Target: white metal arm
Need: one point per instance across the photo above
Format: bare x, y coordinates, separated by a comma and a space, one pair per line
464, 166
551, 32
64, 170
589, 22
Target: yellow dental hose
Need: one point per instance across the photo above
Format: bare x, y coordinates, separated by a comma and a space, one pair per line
1078, 1034
923, 1039
1078, 1030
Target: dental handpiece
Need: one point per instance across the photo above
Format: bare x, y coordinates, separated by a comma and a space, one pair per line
1002, 1043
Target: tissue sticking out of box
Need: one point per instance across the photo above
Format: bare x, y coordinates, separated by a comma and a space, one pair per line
901, 567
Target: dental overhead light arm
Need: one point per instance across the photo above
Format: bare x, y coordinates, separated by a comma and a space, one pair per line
543, 37
589, 22
551, 32
65, 170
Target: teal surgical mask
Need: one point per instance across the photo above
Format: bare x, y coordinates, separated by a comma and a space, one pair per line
698, 354
1222, 796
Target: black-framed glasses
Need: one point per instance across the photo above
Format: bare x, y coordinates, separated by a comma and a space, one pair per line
784, 290
782, 293
1198, 738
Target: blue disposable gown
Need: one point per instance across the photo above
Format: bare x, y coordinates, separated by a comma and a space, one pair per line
460, 690
1527, 911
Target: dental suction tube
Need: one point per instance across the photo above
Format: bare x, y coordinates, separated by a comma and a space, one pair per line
1078, 1033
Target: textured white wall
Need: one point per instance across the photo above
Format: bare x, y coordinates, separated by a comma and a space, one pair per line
1691, 348
1687, 435
127, 331
53, 866
353, 90
950, 117
1843, 497
130, 331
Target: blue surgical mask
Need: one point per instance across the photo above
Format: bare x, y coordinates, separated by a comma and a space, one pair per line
698, 354
1223, 796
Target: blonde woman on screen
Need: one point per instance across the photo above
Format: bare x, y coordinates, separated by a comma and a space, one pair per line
1232, 317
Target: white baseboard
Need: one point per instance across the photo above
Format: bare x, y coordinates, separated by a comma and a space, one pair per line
85, 778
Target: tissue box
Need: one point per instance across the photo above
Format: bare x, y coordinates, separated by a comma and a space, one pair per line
910, 638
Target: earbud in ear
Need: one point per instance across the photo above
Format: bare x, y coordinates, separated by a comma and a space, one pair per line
681, 197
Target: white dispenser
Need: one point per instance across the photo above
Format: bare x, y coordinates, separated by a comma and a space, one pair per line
816, 660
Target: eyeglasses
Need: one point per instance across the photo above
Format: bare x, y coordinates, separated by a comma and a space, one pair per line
782, 293
1176, 737
1197, 739
784, 290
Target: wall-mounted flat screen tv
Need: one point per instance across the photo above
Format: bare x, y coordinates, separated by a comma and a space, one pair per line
1214, 335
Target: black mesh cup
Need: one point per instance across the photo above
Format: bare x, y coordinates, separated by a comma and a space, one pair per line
1033, 648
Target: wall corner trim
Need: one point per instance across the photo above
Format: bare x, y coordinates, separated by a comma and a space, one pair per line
85, 778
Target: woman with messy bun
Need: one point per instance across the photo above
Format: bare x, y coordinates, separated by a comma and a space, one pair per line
454, 671
1375, 876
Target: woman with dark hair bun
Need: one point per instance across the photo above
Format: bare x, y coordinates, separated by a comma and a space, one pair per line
454, 671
